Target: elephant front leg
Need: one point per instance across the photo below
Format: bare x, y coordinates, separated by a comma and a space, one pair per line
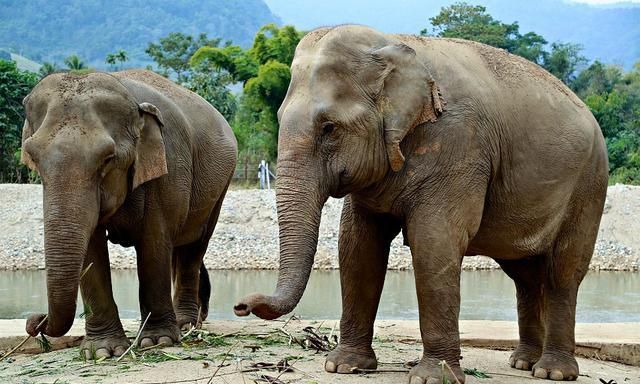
363, 250
437, 250
154, 275
104, 334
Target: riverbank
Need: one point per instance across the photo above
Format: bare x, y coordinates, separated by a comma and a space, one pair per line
248, 350
247, 234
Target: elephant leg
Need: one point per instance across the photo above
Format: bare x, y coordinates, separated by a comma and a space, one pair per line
104, 334
527, 275
566, 267
191, 279
437, 247
154, 274
188, 266
363, 252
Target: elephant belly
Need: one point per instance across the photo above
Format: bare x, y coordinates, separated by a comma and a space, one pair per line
516, 232
196, 227
509, 242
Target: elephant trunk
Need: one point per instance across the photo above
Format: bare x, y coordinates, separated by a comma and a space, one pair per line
69, 221
299, 203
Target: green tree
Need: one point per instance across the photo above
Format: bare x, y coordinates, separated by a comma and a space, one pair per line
614, 100
264, 72
473, 22
213, 86
173, 52
610, 110
118, 57
14, 86
48, 68
236, 61
597, 79
564, 60
74, 63
531, 47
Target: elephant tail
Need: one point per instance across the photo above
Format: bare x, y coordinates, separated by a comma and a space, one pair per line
204, 292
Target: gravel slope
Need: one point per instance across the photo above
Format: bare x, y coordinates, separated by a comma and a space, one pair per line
247, 234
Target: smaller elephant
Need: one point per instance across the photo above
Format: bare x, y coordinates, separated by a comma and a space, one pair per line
132, 158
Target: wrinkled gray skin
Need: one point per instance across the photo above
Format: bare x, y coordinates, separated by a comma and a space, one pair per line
132, 158
507, 162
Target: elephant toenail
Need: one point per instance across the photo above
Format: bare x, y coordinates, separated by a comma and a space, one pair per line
433, 380
146, 342
521, 364
512, 362
330, 366
166, 341
556, 374
344, 368
119, 350
102, 352
416, 380
540, 373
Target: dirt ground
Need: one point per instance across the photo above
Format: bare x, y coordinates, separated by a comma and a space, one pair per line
250, 351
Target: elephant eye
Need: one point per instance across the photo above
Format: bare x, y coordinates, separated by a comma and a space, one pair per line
107, 160
328, 127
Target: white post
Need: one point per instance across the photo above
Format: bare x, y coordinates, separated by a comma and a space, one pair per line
266, 174
261, 174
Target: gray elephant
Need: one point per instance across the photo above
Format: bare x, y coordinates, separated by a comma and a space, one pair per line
464, 148
135, 159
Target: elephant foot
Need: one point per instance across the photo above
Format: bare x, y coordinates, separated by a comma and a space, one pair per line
431, 371
556, 366
97, 347
189, 319
347, 359
525, 356
166, 335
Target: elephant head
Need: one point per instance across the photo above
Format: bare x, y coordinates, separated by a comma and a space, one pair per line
354, 95
92, 143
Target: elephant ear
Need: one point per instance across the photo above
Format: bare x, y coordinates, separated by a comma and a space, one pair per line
408, 97
27, 132
151, 159
25, 158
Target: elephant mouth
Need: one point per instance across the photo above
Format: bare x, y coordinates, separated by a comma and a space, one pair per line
339, 194
342, 186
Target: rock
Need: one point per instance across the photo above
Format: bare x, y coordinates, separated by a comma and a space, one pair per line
246, 236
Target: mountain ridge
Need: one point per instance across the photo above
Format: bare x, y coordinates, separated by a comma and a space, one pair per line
54, 29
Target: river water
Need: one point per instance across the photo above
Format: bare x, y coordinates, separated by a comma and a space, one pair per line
486, 295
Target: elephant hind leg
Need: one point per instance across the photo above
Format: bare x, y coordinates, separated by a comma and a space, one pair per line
190, 277
187, 280
566, 265
526, 275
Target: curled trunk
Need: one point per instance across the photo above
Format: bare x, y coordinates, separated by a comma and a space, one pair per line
70, 217
299, 204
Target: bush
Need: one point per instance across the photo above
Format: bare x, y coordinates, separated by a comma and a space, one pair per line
15, 84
